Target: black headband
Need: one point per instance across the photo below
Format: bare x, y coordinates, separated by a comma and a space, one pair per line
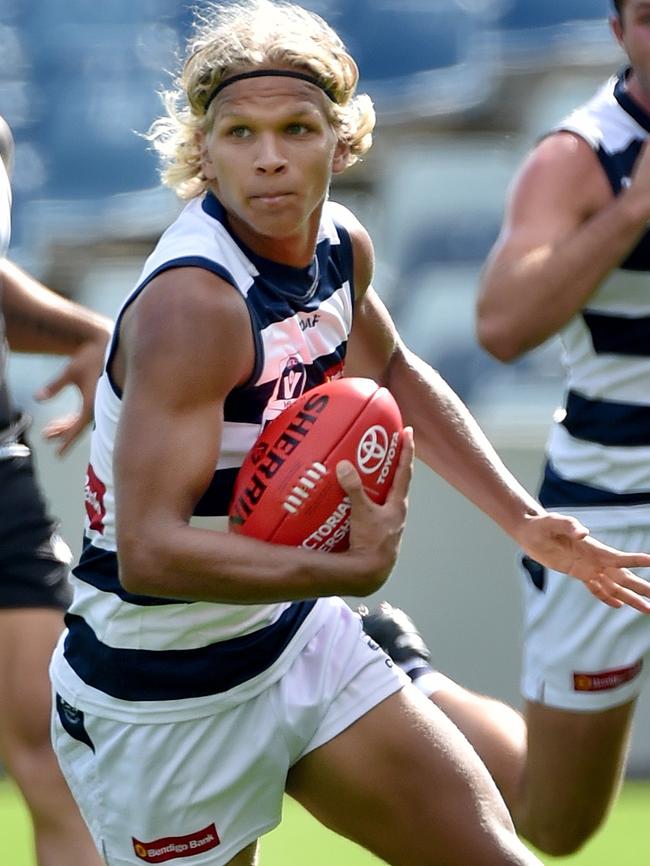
277, 73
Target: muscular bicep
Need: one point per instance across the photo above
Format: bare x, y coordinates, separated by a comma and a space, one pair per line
184, 345
546, 261
558, 188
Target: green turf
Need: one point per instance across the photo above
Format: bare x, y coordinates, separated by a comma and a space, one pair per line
300, 840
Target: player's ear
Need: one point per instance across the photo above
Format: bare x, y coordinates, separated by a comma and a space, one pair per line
341, 158
616, 26
207, 165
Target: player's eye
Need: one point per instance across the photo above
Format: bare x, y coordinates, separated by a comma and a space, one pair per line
297, 129
239, 131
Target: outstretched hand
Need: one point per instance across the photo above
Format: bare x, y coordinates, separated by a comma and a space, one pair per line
82, 370
563, 544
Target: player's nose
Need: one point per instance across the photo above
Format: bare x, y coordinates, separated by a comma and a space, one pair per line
269, 158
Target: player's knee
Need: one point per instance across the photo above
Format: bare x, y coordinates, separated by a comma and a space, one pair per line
247, 857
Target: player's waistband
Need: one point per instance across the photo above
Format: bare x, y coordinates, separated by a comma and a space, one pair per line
159, 675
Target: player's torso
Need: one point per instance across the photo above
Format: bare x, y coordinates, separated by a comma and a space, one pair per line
599, 450
300, 320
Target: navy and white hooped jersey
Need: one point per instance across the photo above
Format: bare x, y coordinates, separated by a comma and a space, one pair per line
126, 654
599, 447
5, 234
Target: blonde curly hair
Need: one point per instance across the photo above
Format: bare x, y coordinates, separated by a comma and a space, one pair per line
247, 35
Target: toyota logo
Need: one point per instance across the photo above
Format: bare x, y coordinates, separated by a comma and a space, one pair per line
372, 449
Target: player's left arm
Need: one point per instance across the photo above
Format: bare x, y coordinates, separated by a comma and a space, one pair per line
39, 320
449, 440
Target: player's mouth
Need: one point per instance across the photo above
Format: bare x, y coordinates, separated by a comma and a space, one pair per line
271, 200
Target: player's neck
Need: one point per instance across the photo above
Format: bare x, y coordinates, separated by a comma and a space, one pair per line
639, 92
297, 250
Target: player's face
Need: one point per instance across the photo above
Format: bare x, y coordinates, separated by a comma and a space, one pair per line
269, 158
632, 31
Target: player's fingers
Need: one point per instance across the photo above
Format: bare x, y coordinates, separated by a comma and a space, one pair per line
611, 556
619, 588
603, 589
631, 582
350, 481
67, 438
65, 430
57, 426
404, 471
53, 386
632, 599
630, 560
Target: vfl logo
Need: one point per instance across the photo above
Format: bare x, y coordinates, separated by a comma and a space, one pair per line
291, 383
372, 449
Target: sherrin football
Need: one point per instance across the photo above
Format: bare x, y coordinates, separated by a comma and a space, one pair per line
286, 491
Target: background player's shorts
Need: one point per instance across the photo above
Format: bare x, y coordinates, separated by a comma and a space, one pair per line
580, 654
204, 789
34, 561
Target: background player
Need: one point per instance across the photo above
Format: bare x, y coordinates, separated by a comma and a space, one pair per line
203, 673
573, 258
34, 562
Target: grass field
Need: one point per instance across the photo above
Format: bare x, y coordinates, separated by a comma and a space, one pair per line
300, 841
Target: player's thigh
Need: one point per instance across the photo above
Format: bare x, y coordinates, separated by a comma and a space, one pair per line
248, 857
575, 760
403, 782
27, 639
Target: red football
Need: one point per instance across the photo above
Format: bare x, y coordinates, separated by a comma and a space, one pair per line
287, 491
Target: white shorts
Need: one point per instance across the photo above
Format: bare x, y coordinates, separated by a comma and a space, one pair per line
197, 792
580, 654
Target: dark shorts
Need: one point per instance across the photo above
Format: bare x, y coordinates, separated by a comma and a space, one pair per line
33, 565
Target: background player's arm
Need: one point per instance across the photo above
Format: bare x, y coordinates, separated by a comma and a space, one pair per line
186, 342
563, 233
40, 320
450, 441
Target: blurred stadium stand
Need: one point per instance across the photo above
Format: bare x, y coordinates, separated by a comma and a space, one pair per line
550, 31
418, 58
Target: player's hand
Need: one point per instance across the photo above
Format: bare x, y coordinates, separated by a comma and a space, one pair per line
376, 530
563, 544
82, 370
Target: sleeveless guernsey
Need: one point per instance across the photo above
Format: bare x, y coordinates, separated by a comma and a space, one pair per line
126, 654
599, 448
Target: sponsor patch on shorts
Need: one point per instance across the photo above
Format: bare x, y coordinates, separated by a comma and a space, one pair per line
603, 680
172, 847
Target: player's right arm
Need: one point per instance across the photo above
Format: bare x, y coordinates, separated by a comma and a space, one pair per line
563, 233
185, 343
